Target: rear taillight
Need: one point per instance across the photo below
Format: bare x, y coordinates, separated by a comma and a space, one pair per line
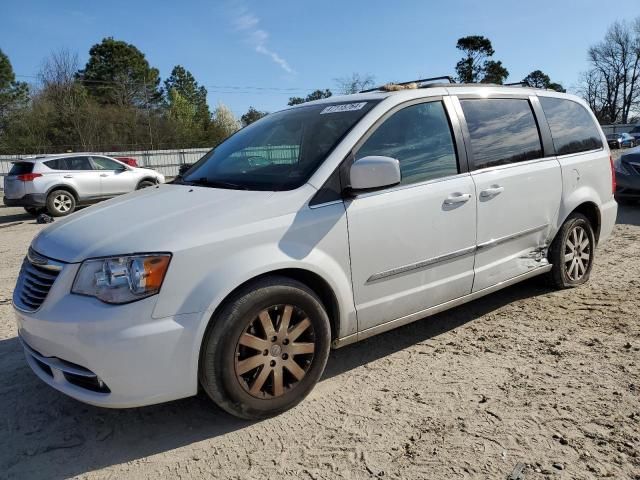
613, 175
28, 177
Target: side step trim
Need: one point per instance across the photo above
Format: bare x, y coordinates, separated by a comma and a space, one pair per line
398, 322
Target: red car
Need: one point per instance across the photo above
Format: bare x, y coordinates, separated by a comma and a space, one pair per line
132, 162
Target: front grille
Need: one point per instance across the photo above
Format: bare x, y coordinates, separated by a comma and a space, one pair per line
34, 282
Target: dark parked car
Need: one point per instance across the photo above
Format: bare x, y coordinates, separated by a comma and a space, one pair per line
627, 169
635, 133
620, 140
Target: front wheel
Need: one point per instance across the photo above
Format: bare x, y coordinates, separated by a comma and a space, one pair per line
266, 349
572, 252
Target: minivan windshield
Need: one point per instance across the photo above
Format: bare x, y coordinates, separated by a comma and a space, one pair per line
279, 151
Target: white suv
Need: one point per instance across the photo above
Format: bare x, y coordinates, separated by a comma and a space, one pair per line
59, 183
316, 226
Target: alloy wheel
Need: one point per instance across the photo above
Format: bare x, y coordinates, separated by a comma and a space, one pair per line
577, 253
275, 351
62, 203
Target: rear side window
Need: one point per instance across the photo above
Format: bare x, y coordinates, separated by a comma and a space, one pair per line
572, 127
103, 163
20, 168
419, 137
502, 131
71, 163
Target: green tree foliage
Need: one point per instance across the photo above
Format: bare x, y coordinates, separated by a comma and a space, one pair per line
251, 116
476, 66
494, 72
13, 94
184, 85
315, 95
539, 79
117, 73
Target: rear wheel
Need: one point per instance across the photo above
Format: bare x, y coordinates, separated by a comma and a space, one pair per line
266, 349
61, 203
572, 253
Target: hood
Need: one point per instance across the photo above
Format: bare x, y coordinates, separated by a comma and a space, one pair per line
166, 218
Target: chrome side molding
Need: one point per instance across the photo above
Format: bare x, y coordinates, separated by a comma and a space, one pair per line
497, 241
449, 256
420, 265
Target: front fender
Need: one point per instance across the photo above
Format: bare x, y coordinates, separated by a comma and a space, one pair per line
315, 240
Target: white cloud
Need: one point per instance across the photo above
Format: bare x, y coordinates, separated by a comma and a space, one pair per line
247, 23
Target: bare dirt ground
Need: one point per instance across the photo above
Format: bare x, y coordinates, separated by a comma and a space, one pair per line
547, 378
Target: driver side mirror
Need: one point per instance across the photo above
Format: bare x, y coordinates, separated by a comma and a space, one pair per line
374, 172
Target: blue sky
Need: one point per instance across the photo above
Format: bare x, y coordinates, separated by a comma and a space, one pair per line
302, 45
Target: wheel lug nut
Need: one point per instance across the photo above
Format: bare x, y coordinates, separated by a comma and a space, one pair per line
272, 363
274, 339
265, 352
285, 341
285, 356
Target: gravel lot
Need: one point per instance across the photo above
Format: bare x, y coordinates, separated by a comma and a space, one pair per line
547, 378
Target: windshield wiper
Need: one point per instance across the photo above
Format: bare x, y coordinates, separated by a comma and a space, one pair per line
205, 182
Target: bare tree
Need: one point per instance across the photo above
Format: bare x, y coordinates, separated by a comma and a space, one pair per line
355, 83
60, 86
612, 84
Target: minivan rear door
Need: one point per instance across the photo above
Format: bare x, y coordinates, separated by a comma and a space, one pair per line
518, 183
412, 245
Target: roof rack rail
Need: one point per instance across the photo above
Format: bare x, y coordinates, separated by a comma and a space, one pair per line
517, 84
420, 81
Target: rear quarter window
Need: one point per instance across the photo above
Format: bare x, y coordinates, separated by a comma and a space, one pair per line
20, 168
572, 127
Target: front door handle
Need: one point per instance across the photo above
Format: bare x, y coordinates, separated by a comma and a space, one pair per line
492, 191
104, 175
457, 198
68, 176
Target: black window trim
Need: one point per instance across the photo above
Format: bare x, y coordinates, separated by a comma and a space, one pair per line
456, 136
544, 131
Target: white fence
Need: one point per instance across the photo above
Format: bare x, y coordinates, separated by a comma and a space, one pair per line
166, 162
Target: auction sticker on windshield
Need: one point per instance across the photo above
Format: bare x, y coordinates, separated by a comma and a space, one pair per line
346, 107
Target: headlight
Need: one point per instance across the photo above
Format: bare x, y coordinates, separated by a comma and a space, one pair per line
122, 279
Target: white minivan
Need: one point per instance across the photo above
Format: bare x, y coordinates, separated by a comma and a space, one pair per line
316, 226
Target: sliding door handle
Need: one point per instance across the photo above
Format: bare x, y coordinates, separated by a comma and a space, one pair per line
457, 198
491, 192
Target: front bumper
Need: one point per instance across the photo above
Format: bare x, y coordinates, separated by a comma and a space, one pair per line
114, 356
28, 200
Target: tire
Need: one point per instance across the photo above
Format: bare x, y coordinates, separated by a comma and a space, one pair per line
61, 203
33, 211
243, 379
569, 270
145, 184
